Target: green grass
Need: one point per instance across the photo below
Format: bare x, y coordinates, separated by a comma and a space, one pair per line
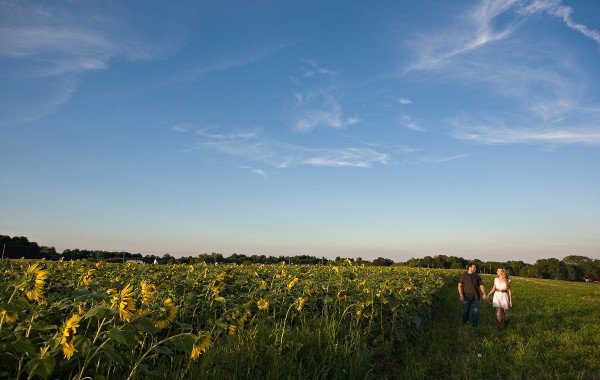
554, 333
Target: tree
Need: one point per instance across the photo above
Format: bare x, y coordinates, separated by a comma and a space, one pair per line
531, 271
381, 261
552, 268
19, 246
48, 253
584, 267
168, 259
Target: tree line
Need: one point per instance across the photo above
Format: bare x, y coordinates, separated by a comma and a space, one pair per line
572, 268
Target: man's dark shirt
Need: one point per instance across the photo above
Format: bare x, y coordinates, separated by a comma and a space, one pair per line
470, 285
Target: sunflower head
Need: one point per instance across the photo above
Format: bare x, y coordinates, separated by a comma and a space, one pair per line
301, 301
292, 283
147, 292
167, 313
34, 281
201, 346
231, 329
68, 336
9, 316
262, 304
126, 303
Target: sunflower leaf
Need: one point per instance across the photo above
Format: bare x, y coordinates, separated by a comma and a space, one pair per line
164, 350
112, 355
117, 336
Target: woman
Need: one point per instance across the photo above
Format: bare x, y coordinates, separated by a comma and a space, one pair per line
502, 297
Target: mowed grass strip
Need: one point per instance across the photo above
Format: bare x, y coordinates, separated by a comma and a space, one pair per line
554, 333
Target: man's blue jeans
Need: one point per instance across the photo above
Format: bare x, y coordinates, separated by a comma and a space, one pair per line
467, 306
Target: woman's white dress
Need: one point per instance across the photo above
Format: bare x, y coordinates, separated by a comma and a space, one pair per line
500, 298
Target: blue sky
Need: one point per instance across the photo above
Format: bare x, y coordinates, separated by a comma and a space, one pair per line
356, 129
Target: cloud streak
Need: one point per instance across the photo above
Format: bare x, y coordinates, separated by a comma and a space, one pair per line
64, 42
494, 135
53, 46
477, 30
328, 113
546, 91
555, 8
253, 146
409, 123
481, 26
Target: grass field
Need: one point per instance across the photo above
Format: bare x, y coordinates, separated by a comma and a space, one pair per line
554, 333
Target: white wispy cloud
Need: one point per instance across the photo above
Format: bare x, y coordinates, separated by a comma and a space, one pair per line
253, 146
310, 68
423, 159
64, 41
319, 103
50, 46
353, 157
182, 127
327, 113
403, 149
474, 30
404, 101
238, 59
487, 135
481, 26
258, 172
409, 123
546, 91
497, 133
555, 8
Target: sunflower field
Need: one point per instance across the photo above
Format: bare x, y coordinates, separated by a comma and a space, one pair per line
81, 319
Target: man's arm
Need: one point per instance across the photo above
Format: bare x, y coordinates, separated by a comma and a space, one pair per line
482, 288
460, 292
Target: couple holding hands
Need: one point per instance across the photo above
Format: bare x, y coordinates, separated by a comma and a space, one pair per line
469, 287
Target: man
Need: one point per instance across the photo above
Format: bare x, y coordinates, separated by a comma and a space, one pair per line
469, 287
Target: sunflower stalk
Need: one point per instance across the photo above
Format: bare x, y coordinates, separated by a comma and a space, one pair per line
89, 357
99, 330
152, 348
283, 327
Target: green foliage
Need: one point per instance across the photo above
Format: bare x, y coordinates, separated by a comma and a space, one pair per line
79, 319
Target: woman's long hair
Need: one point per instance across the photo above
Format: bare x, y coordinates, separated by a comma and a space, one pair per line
502, 276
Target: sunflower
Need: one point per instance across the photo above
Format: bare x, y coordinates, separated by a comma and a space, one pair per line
126, 303
68, 336
201, 347
147, 293
292, 283
168, 313
9, 316
301, 302
82, 308
218, 285
34, 281
247, 314
342, 294
262, 304
231, 329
